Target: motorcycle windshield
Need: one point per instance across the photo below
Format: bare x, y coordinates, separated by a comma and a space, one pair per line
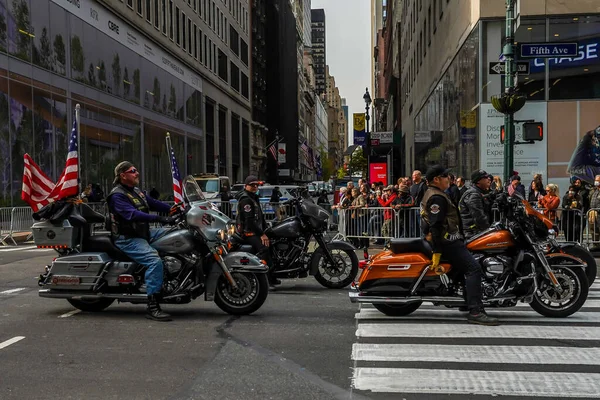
192, 191
310, 209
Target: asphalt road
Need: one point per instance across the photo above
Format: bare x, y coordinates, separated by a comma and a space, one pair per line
307, 342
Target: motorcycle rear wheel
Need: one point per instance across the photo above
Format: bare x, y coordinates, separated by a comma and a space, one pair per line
398, 310
95, 305
251, 293
550, 304
329, 276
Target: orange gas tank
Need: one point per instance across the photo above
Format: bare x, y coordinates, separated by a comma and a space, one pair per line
387, 265
494, 240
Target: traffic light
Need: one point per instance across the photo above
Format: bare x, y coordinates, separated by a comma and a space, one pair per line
502, 134
533, 131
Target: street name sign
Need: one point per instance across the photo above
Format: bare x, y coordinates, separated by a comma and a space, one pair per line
549, 50
499, 68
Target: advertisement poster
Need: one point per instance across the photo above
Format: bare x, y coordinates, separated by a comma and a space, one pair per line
281, 154
378, 173
529, 159
359, 129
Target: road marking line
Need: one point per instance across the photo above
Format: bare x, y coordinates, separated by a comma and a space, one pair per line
37, 250
11, 341
13, 290
524, 316
69, 314
471, 331
475, 354
17, 249
504, 383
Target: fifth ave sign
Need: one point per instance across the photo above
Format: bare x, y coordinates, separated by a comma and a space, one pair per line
549, 50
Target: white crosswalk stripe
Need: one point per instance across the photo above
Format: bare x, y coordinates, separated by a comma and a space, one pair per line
434, 351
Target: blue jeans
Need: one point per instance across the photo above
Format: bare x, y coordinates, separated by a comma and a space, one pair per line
142, 252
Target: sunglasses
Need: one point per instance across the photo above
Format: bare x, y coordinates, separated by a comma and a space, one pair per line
131, 171
255, 184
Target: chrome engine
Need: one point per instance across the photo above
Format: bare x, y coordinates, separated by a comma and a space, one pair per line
493, 268
287, 252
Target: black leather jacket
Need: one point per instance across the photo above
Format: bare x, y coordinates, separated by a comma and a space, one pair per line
475, 208
249, 218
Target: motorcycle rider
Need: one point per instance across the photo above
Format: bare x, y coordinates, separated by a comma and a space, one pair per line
130, 219
251, 224
440, 226
475, 206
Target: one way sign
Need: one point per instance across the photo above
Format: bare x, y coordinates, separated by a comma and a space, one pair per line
498, 68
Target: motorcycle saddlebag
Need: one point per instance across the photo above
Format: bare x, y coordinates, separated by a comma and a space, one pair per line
78, 271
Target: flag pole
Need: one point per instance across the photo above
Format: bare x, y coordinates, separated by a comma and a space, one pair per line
77, 121
168, 140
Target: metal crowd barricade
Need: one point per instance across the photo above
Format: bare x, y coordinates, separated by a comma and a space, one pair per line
592, 231
380, 223
6, 226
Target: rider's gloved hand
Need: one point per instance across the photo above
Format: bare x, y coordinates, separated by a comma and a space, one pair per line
166, 220
435, 264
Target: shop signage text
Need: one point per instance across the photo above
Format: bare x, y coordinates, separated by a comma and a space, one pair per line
549, 50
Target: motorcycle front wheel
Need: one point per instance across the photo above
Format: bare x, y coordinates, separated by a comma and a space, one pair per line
341, 274
588, 258
549, 303
248, 297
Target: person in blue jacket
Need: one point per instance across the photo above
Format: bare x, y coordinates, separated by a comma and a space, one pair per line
130, 219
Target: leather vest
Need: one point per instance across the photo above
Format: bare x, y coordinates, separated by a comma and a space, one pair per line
121, 226
451, 229
258, 213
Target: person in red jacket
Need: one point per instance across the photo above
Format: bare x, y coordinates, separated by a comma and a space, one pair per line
550, 201
389, 195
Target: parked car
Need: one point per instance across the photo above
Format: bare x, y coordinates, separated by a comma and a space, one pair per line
264, 193
211, 184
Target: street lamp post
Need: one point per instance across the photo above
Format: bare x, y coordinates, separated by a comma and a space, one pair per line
367, 99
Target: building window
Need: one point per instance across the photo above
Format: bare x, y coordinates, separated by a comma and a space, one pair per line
148, 11
234, 41
215, 64
139, 7
205, 52
441, 7
163, 6
245, 90
235, 76
189, 30
171, 19
200, 45
177, 26
210, 55
156, 20
196, 5
130, 4
244, 52
196, 43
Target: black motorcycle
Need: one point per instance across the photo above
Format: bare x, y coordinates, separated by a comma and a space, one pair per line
333, 264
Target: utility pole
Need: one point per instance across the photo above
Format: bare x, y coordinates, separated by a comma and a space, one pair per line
509, 120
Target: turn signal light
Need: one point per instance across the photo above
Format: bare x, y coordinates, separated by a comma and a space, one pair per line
263, 262
362, 264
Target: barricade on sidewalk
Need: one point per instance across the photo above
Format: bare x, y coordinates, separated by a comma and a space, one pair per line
387, 223
6, 226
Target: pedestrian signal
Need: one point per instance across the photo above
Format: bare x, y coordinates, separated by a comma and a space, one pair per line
502, 137
533, 131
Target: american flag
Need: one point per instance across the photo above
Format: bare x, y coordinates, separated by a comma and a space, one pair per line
177, 189
38, 190
273, 151
304, 148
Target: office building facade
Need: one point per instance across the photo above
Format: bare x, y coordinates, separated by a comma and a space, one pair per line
319, 49
138, 69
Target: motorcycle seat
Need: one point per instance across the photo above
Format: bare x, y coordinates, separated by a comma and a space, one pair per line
104, 244
418, 245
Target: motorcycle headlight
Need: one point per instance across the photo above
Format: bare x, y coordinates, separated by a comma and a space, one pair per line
551, 233
230, 229
222, 235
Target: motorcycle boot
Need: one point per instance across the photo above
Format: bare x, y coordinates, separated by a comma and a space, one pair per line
479, 316
154, 311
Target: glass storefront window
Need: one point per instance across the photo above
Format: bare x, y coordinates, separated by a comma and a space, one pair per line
21, 127
194, 155
82, 37
446, 126
40, 23
532, 85
3, 28
20, 29
193, 106
58, 38
576, 77
157, 167
5, 143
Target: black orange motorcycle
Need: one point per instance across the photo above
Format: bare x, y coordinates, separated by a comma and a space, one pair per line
519, 257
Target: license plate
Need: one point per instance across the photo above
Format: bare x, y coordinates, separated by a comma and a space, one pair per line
65, 280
